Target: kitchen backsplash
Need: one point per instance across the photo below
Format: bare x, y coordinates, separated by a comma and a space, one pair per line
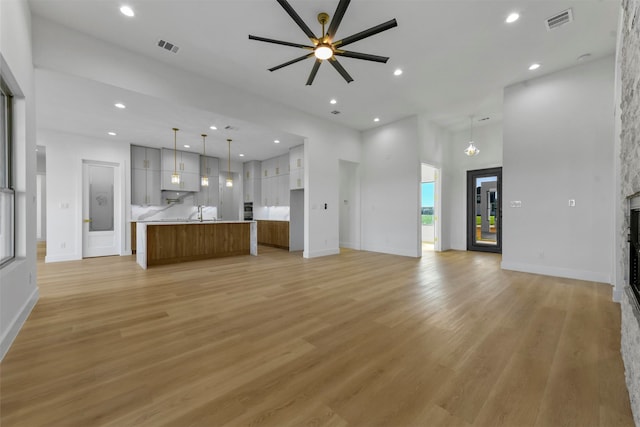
178, 211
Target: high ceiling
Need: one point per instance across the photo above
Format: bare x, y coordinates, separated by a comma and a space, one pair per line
456, 56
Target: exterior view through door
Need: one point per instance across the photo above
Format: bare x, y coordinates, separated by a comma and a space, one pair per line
484, 210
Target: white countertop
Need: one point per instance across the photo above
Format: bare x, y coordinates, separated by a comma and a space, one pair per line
196, 222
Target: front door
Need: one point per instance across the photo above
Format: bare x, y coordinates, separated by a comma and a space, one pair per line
484, 210
100, 220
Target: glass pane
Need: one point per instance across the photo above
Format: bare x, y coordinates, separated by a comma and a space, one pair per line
6, 225
100, 198
428, 189
486, 204
4, 143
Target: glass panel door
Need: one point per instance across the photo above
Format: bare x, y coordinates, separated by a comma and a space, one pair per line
484, 217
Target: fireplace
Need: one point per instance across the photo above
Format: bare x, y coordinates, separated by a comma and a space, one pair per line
634, 251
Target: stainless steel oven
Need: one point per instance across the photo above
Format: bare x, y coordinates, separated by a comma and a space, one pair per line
248, 211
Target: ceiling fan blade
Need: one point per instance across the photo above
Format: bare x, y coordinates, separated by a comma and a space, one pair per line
365, 56
366, 33
337, 18
292, 13
293, 61
314, 71
333, 61
262, 39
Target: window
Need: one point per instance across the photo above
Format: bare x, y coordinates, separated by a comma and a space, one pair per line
428, 199
7, 195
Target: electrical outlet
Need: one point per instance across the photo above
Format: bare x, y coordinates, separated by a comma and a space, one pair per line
572, 203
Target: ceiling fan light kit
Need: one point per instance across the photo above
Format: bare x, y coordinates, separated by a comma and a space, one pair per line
324, 48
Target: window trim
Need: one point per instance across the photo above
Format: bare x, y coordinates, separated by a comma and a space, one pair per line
9, 141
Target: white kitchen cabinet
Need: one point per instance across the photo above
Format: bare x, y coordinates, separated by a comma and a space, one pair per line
296, 165
275, 181
210, 195
296, 179
282, 198
252, 170
210, 166
145, 176
252, 182
187, 165
269, 192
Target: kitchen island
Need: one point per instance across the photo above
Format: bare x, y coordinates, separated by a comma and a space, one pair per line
169, 242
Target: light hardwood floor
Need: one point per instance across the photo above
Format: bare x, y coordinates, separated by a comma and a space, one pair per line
359, 339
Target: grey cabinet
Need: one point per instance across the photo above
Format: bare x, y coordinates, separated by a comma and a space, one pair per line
252, 181
275, 181
145, 176
209, 195
296, 167
185, 164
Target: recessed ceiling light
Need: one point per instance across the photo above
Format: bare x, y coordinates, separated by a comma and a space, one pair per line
120, 105
112, 133
187, 146
397, 72
333, 101
213, 128
377, 119
276, 141
127, 11
534, 66
513, 17
241, 155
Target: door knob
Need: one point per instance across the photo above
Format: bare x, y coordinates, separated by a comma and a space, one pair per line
87, 220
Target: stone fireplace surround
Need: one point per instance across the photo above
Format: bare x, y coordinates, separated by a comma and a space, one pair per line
629, 93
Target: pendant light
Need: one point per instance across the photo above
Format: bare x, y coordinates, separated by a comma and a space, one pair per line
204, 181
471, 150
229, 180
175, 178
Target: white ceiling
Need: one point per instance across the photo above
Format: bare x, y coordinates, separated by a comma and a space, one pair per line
457, 56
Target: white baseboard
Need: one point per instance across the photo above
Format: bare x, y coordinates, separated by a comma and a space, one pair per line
61, 258
16, 323
391, 251
126, 253
349, 245
326, 252
592, 276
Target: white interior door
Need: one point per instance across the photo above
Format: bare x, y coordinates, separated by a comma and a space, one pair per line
100, 229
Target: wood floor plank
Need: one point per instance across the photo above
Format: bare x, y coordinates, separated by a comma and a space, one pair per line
356, 339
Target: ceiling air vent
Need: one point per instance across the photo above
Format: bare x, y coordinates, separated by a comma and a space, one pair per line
168, 46
335, 112
559, 19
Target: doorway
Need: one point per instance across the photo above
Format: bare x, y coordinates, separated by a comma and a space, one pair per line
101, 225
484, 210
429, 208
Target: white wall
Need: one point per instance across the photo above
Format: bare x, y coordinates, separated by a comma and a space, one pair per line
390, 184
65, 153
488, 138
18, 290
61, 49
349, 205
558, 145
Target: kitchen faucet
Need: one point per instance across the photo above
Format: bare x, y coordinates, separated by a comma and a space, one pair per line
200, 215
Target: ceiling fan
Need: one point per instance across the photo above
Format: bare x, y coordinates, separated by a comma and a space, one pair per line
324, 48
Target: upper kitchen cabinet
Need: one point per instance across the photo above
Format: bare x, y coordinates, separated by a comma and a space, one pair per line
252, 181
210, 166
185, 164
145, 176
296, 167
209, 195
